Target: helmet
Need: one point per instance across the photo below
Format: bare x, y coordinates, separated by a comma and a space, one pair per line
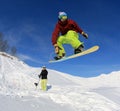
61, 14
43, 66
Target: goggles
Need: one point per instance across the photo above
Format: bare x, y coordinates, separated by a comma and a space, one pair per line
64, 17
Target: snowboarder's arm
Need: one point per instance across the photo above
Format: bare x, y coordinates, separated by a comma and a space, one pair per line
55, 35
40, 75
80, 30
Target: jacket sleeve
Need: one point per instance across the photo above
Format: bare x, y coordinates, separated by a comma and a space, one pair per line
55, 34
77, 27
40, 75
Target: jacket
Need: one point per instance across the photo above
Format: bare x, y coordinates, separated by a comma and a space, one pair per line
43, 74
63, 27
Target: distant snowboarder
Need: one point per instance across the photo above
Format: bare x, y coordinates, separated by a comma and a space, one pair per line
69, 35
43, 76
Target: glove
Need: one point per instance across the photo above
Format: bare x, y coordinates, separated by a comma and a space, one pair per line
85, 35
56, 49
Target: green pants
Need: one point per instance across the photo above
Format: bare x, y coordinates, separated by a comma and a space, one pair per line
72, 38
44, 84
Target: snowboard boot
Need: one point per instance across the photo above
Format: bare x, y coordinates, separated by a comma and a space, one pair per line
59, 57
79, 49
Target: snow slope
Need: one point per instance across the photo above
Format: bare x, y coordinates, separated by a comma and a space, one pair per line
65, 92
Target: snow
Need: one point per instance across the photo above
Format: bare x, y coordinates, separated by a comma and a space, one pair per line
65, 92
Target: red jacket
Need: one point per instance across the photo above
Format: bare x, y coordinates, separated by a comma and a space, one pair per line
63, 27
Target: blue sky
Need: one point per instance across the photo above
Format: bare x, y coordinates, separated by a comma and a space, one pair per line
28, 25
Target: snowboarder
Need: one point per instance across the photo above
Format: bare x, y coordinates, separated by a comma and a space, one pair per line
69, 35
43, 76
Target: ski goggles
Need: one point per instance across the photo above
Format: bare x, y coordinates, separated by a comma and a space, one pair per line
64, 17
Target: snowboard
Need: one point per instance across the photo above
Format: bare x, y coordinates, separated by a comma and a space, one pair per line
87, 51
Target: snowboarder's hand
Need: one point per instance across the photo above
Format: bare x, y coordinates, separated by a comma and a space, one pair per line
85, 35
39, 76
56, 48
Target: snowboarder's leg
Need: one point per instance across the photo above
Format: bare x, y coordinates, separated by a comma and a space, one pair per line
44, 84
61, 40
73, 39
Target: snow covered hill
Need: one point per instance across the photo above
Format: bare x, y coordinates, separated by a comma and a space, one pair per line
65, 92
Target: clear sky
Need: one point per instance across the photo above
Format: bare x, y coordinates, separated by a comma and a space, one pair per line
28, 25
